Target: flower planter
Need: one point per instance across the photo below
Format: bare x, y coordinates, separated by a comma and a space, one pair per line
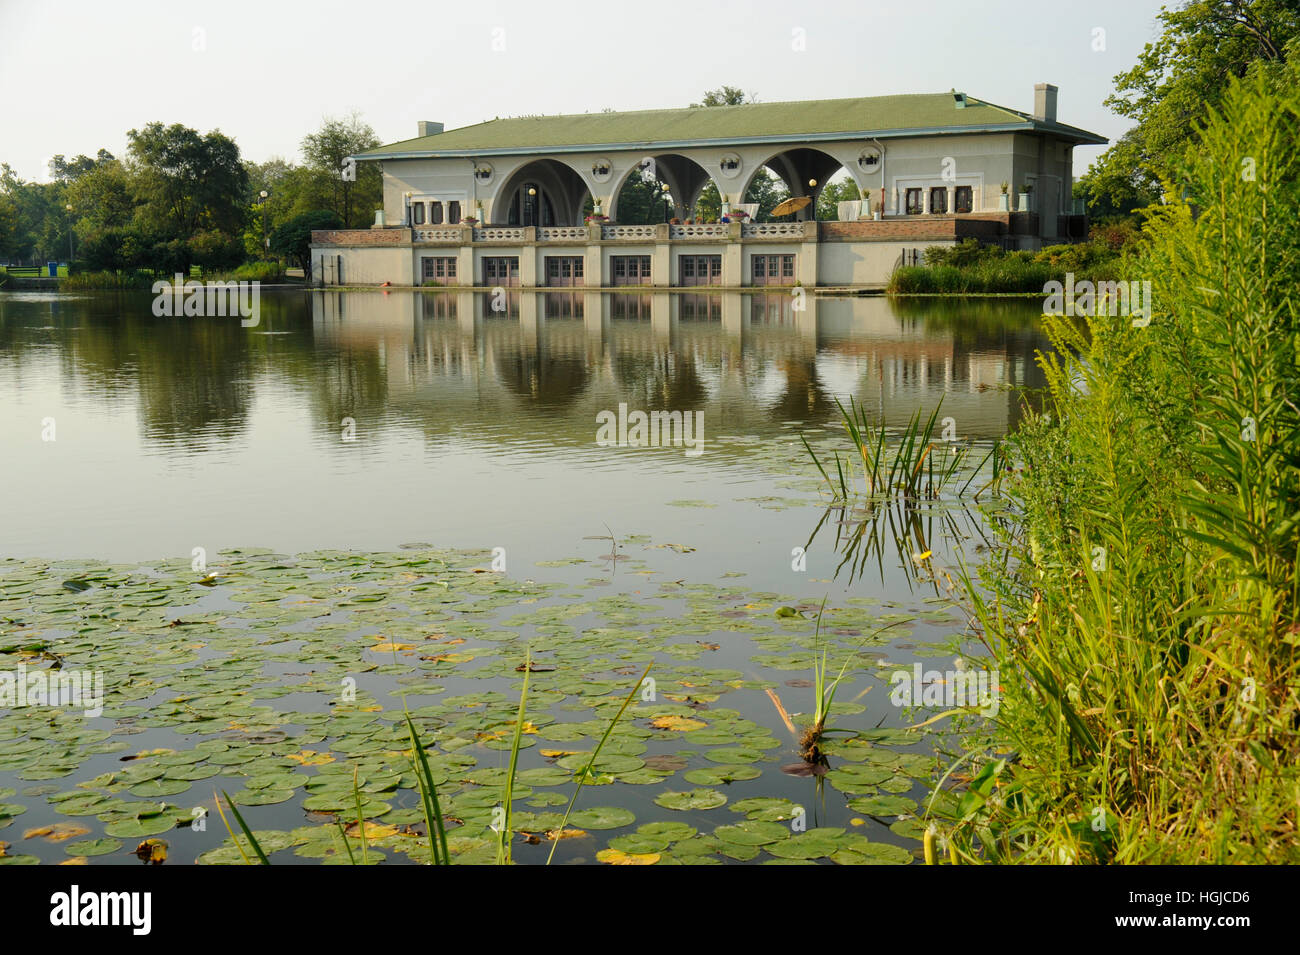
1004, 203
1023, 204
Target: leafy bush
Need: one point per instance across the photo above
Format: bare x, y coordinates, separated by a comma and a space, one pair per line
1144, 610
260, 272
106, 281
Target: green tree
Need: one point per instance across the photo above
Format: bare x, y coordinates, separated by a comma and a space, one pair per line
103, 197
842, 188
1177, 78
726, 96
326, 150
188, 182
293, 239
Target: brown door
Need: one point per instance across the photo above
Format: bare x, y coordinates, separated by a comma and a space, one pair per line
563, 270
630, 269
501, 270
699, 270
772, 269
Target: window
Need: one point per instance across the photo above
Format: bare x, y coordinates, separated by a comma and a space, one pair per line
963, 201
913, 200
435, 213
417, 213
453, 213
438, 268
939, 200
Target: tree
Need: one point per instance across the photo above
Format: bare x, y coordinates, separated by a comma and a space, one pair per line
840, 189
726, 96
1177, 78
103, 197
325, 152
293, 239
189, 182
709, 204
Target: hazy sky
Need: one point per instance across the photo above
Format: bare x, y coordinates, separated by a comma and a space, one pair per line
77, 75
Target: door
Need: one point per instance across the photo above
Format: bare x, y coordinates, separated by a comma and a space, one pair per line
630, 269
502, 270
699, 270
772, 270
563, 270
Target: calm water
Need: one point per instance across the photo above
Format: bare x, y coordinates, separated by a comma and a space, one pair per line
469, 430
371, 420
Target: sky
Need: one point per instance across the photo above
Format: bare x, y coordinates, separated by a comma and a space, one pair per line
77, 75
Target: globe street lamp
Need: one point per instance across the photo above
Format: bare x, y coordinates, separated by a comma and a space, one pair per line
266, 240
812, 184
663, 188
71, 256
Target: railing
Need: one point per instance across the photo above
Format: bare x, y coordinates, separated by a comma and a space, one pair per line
451, 234
709, 230
499, 235
564, 233
757, 230
628, 232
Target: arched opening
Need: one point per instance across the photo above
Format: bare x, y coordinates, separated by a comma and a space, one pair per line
544, 192
802, 171
659, 188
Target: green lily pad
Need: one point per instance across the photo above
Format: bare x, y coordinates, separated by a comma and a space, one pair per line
691, 799
602, 817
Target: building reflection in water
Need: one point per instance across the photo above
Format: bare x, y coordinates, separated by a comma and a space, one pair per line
754, 361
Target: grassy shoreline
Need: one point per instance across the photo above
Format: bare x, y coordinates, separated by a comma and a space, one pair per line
1143, 611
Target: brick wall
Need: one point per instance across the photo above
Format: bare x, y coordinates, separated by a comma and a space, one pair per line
366, 237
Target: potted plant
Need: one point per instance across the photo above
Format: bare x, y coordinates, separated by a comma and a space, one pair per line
1023, 204
468, 220
1004, 200
726, 207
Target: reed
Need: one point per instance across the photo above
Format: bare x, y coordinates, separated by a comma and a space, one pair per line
1144, 608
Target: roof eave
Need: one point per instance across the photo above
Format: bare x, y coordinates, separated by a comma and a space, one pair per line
1065, 132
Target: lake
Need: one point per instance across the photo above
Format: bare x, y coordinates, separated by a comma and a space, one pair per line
402, 496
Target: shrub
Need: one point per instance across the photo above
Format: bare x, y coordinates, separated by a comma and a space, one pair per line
911, 280
106, 281
1144, 610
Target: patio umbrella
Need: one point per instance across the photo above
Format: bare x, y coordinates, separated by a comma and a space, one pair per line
791, 205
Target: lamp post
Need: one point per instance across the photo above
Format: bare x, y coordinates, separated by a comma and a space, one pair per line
812, 184
663, 189
532, 198
266, 240
71, 256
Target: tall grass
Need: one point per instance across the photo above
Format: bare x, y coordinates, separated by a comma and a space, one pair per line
916, 464
1144, 612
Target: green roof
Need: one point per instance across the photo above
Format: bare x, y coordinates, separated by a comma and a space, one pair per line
809, 120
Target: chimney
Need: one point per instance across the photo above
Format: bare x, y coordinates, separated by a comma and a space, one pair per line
428, 128
1045, 102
